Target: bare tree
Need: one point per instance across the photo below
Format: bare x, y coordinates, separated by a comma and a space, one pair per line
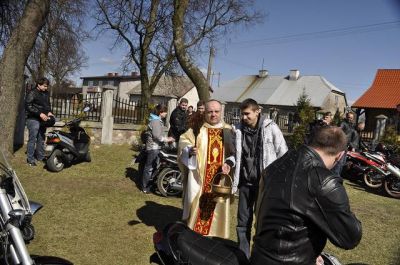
199, 20
12, 66
58, 51
144, 28
10, 13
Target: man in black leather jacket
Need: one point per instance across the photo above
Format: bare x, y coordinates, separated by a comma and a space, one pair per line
38, 111
178, 120
302, 204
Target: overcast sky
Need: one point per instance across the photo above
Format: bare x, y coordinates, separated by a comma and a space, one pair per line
345, 41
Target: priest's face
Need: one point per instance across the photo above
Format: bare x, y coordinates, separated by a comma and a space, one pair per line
213, 112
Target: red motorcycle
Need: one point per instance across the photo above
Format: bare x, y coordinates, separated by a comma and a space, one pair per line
370, 167
375, 169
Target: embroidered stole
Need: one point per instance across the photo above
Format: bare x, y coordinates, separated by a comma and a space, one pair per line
215, 156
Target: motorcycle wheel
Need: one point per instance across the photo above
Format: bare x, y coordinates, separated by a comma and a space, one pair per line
88, 157
392, 187
54, 162
370, 182
166, 178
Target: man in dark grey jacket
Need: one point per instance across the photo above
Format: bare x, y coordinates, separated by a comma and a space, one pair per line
38, 111
259, 142
303, 204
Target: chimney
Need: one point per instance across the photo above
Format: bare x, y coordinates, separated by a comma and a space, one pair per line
262, 73
294, 75
115, 74
110, 74
134, 74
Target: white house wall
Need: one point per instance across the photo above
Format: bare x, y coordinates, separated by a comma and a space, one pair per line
125, 87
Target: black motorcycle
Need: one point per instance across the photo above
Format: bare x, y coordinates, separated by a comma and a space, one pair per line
166, 178
177, 244
66, 148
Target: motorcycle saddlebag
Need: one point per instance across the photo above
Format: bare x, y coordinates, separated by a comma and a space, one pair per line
196, 249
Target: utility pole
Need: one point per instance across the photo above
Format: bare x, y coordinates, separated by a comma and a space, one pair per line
210, 62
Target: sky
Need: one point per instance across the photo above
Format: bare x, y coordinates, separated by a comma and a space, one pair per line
345, 41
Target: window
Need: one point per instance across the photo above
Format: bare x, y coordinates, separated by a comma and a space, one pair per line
100, 82
111, 82
90, 83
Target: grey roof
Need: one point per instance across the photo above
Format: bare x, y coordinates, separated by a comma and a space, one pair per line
276, 90
176, 86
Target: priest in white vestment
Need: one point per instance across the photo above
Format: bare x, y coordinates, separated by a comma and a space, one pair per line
204, 151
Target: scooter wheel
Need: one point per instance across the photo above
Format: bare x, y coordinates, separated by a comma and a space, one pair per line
55, 161
88, 157
392, 187
169, 182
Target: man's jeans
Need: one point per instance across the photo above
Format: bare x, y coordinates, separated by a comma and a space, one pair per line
149, 167
247, 203
35, 146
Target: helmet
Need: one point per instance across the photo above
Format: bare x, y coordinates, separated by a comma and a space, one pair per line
50, 121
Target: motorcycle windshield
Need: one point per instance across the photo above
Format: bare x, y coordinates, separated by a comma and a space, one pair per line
14, 189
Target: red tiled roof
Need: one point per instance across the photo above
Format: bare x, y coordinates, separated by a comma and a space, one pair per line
384, 92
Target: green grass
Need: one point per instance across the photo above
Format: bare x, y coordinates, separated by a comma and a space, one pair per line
94, 214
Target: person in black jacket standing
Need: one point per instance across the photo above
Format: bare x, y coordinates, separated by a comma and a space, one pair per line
178, 120
303, 204
38, 111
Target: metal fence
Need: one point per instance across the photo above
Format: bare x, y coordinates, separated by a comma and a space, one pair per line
125, 111
67, 107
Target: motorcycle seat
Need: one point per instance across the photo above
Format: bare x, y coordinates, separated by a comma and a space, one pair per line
200, 250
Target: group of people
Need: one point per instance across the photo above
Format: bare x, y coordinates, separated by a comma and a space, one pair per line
297, 198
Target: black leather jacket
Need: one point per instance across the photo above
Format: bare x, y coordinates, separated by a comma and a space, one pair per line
301, 205
37, 102
178, 122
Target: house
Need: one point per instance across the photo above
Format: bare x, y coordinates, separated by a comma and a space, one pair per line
279, 93
120, 84
383, 97
128, 87
167, 88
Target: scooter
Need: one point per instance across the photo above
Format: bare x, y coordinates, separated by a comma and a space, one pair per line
177, 244
66, 148
166, 178
16, 230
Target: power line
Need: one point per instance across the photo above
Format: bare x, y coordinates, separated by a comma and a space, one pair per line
319, 34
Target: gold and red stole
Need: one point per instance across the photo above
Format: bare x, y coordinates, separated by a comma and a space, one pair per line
215, 158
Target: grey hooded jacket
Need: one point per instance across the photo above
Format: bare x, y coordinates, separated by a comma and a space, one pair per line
273, 147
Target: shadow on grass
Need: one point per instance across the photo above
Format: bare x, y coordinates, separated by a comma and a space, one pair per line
157, 215
359, 185
134, 175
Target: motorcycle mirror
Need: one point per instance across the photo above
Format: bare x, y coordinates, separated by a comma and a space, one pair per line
17, 215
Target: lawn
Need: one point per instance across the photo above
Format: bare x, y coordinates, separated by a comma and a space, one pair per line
94, 214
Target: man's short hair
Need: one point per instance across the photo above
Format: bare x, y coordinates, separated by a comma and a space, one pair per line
327, 114
42, 81
249, 103
201, 103
331, 140
213, 100
183, 100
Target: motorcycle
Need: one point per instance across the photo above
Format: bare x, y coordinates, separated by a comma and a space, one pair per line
376, 170
166, 178
370, 167
16, 214
66, 148
177, 244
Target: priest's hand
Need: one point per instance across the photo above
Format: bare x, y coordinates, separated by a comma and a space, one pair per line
226, 168
193, 151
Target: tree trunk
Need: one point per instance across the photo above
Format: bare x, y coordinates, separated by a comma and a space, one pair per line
12, 66
192, 71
